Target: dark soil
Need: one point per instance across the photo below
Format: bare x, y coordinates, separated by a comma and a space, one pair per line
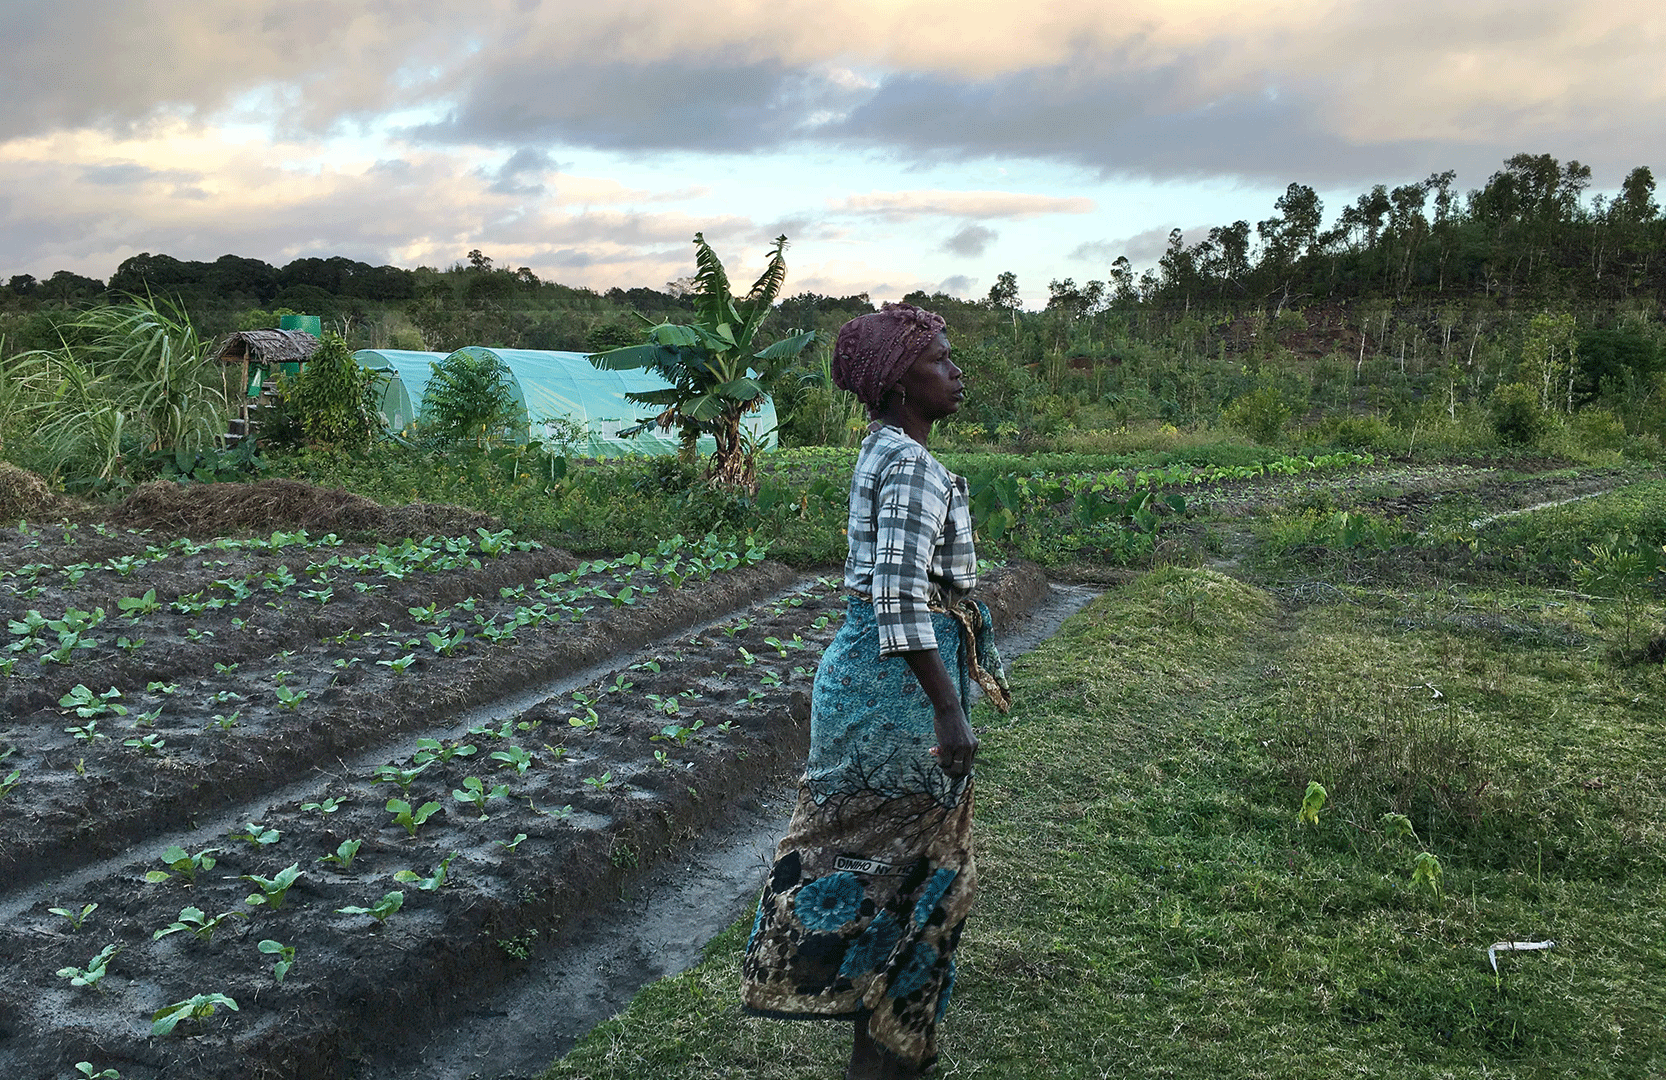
668, 753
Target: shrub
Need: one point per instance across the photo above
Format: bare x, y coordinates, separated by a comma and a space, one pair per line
469, 398
1516, 416
333, 398
1261, 414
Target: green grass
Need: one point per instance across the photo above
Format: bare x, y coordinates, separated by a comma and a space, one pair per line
1151, 905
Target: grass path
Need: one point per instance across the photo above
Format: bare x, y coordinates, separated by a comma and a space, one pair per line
1152, 906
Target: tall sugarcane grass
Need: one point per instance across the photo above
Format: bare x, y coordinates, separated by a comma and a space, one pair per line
128, 383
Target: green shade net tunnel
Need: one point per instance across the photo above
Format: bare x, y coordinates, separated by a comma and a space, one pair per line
564, 386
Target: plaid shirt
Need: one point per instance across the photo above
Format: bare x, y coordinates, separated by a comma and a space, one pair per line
910, 537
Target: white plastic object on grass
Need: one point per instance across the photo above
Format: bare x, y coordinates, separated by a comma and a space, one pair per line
1514, 946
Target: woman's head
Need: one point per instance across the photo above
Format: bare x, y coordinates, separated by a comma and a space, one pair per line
875, 351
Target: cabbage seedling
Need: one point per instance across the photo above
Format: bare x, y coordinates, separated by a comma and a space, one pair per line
285, 955
76, 918
146, 744
400, 664
85, 1069
195, 1007
10, 782
158, 687
429, 750
290, 699
599, 782
475, 793
678, 732
94, 972
385, 774
256, 834
87, 705
186, 866
507, 846
272, 889
438, 881
200, 924
514, 757
344, 854
328, 806
380, 910
585, 723
666, 704
224, 722
447, 644
133, 607
130, 645
409, 819
224, 669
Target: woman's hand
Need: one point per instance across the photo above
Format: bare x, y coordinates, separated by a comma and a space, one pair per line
956, 745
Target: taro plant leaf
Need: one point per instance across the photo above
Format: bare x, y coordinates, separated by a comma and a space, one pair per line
1312, 803
381, 909
272, 889
186, 866
94, 972
196, 921
195, 1007
439, 879
284, 953
76, 918
409, 819
345, 852
475, 793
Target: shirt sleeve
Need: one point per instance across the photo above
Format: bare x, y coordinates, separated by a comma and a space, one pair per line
912, 509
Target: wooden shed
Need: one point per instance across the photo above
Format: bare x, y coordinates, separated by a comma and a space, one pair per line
258, 356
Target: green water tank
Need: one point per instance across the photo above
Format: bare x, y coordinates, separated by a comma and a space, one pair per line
312, 324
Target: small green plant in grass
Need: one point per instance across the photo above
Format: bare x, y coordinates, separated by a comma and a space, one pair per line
409, 819
434, 882
1312, 803
519, 946
272, 889
328, 806
197, 922
380, 910
514, 757
474, 792
185, 865
94, 972
1621, 568
195, 1007
147, 744
256, 834
344, 854
1426, 870
285, 957
76, 918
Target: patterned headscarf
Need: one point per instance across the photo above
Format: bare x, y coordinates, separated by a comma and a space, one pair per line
875, 350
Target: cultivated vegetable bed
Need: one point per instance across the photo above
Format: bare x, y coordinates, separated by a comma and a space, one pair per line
255, 758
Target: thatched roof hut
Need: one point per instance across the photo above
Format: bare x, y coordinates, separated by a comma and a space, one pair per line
268, 347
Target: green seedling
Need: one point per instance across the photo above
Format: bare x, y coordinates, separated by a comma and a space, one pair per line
507, 846
94, 972
125, 565
514, 757
280, 677
224, 669
447, 644
409, 819
725, 727
747, 658
662, 758
256, 834
146, 744
272, 889
1312, 803
647, 665
770, 679
678, 732
666, 704
225, 697
76, 918
86, 704
400, 664
195, 634
86, 732
195, 1007
135, 606
320, 595
345, 662
196, 921
475, 793
782, 646
432, 613
146, 719
492, 632
328, 806
165, 688
587, 722
130, 645
380, 910
290, 699
224, 722
429, 750
821, 622
599, 782
1426, 870
731, 631
285, 955
620, 685
86, 1071
12, 779
439, 879
186, 866
559, 813
587, 698
519, 947
344, 855
386, 774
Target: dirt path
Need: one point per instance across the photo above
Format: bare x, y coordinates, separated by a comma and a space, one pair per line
658, 927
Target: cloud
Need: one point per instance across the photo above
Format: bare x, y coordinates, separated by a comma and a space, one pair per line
1142, 249
958, 285
982, 205
970, 241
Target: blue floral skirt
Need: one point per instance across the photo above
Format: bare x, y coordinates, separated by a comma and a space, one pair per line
871, 886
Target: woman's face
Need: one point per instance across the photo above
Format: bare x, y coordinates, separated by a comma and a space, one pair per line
933, 383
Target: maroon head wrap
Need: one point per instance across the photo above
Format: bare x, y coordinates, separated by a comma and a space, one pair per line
875, 350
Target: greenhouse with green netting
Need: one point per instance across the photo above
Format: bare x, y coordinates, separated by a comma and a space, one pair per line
559, 394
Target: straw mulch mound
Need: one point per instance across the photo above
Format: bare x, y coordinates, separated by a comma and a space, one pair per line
26, 497
202, 510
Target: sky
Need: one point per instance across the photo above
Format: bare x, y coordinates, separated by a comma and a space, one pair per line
899, 144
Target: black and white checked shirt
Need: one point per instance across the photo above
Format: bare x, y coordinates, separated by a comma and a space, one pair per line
910, 537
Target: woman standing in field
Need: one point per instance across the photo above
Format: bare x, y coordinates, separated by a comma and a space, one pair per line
862, 912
